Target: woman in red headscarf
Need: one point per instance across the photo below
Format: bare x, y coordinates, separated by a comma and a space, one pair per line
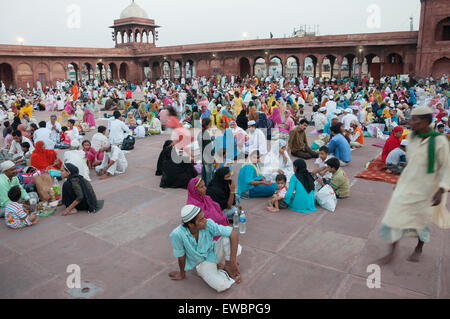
43, 159
392, 142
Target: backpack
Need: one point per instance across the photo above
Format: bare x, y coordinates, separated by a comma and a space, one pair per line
128, 143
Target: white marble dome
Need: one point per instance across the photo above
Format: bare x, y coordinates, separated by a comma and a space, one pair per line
133, 11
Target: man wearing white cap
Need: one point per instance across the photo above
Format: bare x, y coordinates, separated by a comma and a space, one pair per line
421, 192
8, 179
348, 118
331, 105
256, 139
320, 119
194, 246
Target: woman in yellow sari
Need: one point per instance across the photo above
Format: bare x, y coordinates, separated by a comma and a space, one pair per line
216, 119
64, 118
26, 109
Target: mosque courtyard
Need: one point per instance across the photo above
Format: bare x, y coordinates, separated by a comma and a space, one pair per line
125, 251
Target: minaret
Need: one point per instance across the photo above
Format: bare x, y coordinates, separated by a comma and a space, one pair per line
411, 26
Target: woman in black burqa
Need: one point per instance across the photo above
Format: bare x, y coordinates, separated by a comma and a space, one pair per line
77, 193
174, 174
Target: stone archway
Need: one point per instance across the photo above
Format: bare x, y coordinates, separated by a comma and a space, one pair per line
114, 75
177, 70
260, 67
123, 71
244, 68
442, 32
42, 73
73, 72
166, 70
292, 67
394, 64
440, 67
276, 67
24, 75
189, 68
310, 66
6, 74
58, 72
348, 65
87, 73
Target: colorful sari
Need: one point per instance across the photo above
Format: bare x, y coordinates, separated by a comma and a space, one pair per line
211, 209
89, 117
43, 159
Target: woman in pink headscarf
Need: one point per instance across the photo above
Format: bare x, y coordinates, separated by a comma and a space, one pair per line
89, 118
276, 117
288, 123
197, 197
68, 108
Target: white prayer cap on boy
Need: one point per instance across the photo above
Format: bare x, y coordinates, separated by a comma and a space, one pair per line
423, 110
75, 144
251, 123
322, 109
139, 122
7, 165
189, 212
348, 111
404, 143
444, 119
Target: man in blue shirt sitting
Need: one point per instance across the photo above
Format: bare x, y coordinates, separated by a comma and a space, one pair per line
194, 246
339, 147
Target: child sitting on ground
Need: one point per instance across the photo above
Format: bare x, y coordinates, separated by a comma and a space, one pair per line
319, 164
64, 140
277, 202
339, 181
23, 159
15, 215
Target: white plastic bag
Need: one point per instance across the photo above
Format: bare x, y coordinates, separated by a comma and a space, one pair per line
326, 198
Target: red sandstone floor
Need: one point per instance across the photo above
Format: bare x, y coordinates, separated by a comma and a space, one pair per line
125, 249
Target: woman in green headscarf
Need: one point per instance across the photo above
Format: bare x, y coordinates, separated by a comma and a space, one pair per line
142, 110
154, 124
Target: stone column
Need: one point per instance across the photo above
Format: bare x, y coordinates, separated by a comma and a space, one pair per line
340, 70
381, 69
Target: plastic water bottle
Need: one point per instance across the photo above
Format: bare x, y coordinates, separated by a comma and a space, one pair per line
242, 223
236, 219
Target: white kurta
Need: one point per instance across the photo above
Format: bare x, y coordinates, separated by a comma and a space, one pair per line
99, 141
274, 162
77, 158
54, 135
257, 141
43, 134
120, 162
410, 205
118, 131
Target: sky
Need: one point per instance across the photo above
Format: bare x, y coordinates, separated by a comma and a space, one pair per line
84, 23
